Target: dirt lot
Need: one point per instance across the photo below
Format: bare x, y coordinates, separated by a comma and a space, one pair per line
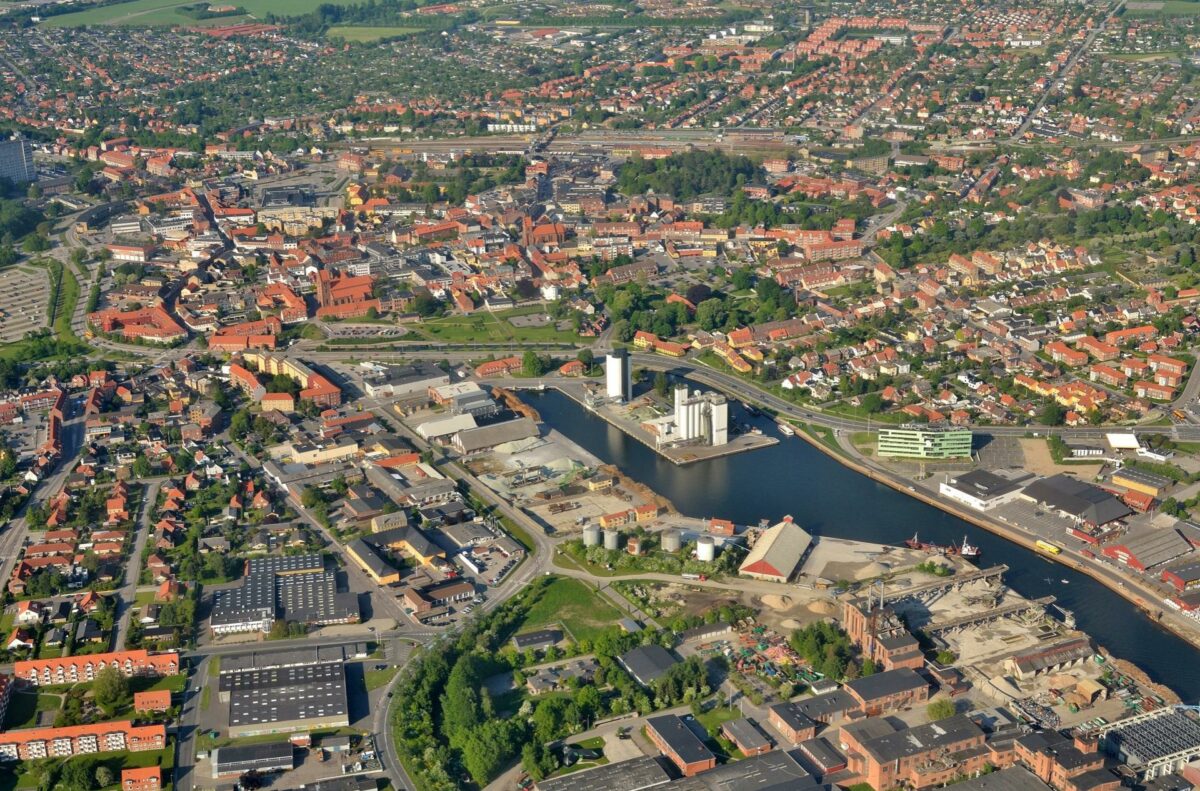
1039, 462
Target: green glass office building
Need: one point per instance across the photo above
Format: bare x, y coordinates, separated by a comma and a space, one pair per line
924, 442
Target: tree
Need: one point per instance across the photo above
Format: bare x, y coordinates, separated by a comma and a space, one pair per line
76, 775
661, 384
532, 364
104, 776
586, 357
1051, 414
940, 709
111, 687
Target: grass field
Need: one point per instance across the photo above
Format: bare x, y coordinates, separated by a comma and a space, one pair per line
162, 12
484, 327
24, 707
375, 679
357, 33
575, 606
1169, 8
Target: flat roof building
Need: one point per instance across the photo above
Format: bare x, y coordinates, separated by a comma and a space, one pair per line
675, 739
772, 771
647, 663
746, 736
282, 587
263, 758
924, 442
1076, 500
634, 775
1141, 481
285, 699
981, 489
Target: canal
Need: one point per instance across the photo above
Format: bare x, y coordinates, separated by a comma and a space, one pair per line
827, 498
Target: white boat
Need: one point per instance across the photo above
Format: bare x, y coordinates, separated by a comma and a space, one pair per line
786, 430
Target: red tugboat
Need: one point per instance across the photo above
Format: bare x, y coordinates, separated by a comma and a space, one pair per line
965, 549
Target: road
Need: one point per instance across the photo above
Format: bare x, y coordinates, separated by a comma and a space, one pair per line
133, 566
1056, 83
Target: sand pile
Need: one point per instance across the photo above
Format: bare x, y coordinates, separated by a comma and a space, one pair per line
777, 602
871, 570
791, 623
823, 607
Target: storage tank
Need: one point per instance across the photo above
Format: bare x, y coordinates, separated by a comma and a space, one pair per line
706, 549
671, 542
591, 536
634, 545
612, 539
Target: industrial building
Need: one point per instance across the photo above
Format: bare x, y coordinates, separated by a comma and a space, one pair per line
777, 553
484, 438
981, 489
634, 775
1076, 500
16, 160
1148, 548
237, 760
1141, 481
887, 755
698, 418
647, 663
675, 739
618, 376
400, 381
285, 699
1154, 743
282, 587
924, 442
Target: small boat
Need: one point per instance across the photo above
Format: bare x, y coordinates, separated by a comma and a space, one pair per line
786, 430
1065, 582
965, 549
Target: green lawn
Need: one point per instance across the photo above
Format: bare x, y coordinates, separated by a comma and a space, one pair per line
379, 678
174, 683
359, 33
162, 12
573, 604
24, 706
485, 327
718, 715
1169, 8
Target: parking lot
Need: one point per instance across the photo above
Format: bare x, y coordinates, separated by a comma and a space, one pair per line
26, 292
1033, 519
364, 330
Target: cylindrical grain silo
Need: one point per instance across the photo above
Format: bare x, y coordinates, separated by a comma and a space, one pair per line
612, 539
706, 549
591, 536
671, 542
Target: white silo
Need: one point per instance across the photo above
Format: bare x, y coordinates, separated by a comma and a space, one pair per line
706, 549
718, 407
591, 536
671, 541
612, 539
618, 376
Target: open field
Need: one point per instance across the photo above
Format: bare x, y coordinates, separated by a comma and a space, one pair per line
358, 33
575, 606
1166, 8
1039, 461
162, 12
484, 327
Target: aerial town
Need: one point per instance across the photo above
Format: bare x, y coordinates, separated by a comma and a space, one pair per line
705, 396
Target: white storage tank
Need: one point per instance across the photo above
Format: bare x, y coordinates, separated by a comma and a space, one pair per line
706, 549
671, 542
612, 539
591, 536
